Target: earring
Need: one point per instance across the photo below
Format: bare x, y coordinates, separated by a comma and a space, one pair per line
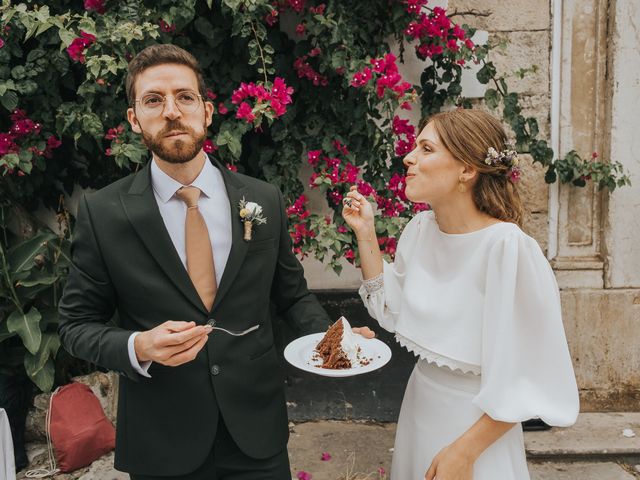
461, 186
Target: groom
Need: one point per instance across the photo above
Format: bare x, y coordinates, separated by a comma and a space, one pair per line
164, 249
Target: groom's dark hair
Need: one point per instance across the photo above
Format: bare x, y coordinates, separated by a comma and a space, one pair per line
161, 55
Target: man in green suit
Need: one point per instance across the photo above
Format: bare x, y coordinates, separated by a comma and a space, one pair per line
194, 404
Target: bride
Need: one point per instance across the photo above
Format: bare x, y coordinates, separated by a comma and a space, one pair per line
475, 299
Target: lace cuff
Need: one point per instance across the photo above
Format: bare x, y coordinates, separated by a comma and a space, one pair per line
372, 285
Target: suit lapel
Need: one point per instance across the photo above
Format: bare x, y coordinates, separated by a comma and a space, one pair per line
141, 209
235, 191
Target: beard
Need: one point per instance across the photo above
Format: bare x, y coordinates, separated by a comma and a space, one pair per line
175, 151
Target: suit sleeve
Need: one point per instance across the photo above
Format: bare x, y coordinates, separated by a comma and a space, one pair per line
89, 302
298, 307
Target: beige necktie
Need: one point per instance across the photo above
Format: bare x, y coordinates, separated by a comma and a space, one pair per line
198, 245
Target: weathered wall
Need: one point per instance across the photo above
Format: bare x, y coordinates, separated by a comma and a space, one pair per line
594, 242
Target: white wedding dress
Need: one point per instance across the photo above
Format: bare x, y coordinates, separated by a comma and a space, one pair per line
481, 310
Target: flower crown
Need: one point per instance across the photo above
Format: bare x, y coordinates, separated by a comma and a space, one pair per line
508, 158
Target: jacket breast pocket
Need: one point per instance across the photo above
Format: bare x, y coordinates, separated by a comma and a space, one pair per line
261, 246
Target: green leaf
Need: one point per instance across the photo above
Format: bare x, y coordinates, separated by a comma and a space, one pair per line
40, 366
37, 279
9, 100
486, 73
27, 326
22, 256
492, 97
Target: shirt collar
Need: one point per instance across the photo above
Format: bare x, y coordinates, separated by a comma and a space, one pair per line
166, 186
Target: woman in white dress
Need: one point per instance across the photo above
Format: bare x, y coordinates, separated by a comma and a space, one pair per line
475, 299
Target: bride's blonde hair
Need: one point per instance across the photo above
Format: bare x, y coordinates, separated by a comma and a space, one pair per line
468, 134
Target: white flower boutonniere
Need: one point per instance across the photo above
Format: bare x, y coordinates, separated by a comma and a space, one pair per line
250, 213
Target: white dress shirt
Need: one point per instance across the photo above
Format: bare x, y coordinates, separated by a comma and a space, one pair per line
214, 207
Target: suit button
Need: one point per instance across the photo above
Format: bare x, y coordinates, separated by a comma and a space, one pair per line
211, 322
215, 370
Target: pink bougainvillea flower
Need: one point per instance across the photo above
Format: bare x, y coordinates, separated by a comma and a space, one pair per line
53, 142
381, 470
305, 70
300, 29
165, 27
232, 167
272, 18
296, 6
95, 5
361, 78
222, 109
319, 10
1, 43
211, 95
6, 144
336, 197
208, 146
365, 188
326, 456
313, 157
246, 112
79, 45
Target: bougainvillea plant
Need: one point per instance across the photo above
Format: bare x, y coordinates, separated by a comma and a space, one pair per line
307, 93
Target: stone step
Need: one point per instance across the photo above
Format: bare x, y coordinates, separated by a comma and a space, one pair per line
594, 435
581, 471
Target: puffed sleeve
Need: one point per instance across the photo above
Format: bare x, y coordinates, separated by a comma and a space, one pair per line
382, 296
526, 366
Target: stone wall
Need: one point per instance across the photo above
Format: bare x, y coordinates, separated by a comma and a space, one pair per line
589, 236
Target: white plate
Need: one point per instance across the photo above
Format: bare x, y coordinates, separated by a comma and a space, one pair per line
300, 353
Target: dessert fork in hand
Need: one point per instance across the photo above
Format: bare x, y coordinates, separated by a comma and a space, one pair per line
212, 324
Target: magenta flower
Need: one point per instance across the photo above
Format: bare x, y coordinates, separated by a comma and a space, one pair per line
361, 78
165, 27
208, 146
96, 5
365, 188
79, 45
232, 167
53, 142
335, 197
297, 6
319, 10
300, 29
272, 18
1, 43
222, 110
351, 173
313, 157
246, 112
211, 95
414, 6
7, 145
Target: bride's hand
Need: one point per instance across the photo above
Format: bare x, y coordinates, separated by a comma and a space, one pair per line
357, 212
451, 463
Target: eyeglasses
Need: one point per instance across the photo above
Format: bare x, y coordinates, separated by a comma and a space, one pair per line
152, 104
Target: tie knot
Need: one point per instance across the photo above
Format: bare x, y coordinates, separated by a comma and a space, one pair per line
189, 195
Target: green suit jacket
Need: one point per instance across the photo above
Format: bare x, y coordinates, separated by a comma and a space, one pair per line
125, 261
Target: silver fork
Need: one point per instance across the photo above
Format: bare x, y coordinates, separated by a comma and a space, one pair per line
212, 324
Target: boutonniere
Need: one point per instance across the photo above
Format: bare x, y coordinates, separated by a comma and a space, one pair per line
250, 213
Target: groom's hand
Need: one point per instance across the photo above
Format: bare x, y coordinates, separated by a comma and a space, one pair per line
366, 332
171, 343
